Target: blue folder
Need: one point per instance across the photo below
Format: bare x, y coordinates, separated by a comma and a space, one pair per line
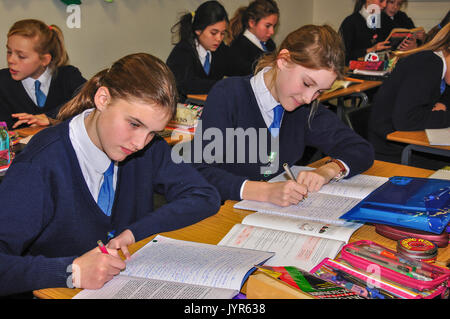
417, 203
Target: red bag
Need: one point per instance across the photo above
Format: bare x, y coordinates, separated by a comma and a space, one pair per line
397, 233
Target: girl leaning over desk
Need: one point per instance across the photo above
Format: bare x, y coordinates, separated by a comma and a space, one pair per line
415, 97
94, 175
280, 103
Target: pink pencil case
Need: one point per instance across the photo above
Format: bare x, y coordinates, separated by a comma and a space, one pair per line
373, 258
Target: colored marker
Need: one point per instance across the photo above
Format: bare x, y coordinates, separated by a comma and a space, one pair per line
102, 247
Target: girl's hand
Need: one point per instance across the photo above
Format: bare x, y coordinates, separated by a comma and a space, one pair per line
280, 193
30, 119
122, 242
315, 179
93, 269
380, 46
408, 44
439, 107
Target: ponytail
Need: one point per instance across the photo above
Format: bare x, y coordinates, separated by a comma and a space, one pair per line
237, 25
183, 29
49, 40
358, 5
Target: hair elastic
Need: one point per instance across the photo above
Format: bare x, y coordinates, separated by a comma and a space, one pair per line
50, 27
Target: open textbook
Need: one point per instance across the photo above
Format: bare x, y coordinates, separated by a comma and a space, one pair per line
439, 137
397, 36
167, 268
328, 205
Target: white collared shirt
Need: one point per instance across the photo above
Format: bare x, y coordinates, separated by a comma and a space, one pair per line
202, 53
93, 161
441, 55
253, 39
264, 98
45, 79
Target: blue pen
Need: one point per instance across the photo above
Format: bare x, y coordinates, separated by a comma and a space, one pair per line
110, 235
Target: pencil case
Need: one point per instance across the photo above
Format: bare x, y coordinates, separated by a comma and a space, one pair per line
397, 233
369, 285
390, 265
5, 154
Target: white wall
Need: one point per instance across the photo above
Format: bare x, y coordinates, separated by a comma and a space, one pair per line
111, 30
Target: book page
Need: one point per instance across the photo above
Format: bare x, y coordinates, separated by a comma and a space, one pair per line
317, 207
301, 226
440, 137
126, 287
194, 263
301, 251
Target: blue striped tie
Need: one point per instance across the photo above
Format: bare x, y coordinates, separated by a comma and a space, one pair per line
274, 128
263, 44
40, 96
207, 65
106, 194
443, 85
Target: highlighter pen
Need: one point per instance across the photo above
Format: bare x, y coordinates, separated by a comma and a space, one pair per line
102, 247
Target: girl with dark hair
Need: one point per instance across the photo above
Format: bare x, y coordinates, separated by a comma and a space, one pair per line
94, 175
38, 80
200, 58
251, 31
280, 104
361, 32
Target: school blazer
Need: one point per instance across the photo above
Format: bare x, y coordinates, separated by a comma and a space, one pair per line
189, 73
249, 52
14, 98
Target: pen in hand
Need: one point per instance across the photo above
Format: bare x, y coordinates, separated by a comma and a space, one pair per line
288, 171
102, 247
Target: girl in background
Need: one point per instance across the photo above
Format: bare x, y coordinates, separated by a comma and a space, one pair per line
93, 175
415, 97
200, 58
359, 38
251, 31
280, 103
38, 80
393, 17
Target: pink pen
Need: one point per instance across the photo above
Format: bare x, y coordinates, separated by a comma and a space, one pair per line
102, 247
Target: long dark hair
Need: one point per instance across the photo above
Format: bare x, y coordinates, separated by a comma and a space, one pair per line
208, 13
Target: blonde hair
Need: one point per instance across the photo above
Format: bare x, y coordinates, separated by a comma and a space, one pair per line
49, 40
138, 76
440, 42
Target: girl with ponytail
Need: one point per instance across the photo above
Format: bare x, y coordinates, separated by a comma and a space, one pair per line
38, 80
93, 176
200, 58
251, 30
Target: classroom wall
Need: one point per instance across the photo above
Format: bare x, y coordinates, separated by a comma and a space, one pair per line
109, 31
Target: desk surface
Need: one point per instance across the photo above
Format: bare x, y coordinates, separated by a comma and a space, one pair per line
214, 228
413, 137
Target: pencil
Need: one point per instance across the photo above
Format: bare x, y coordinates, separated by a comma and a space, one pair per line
102, 247
288, 171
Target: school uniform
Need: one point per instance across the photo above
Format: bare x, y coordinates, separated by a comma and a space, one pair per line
399, 20
250, 49
187, 64
20, 97
405, 101
358, 37
245, 103
49, 216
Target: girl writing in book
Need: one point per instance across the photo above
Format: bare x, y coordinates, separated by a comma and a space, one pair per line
94, 175
393, 17
38, 80
361, 32
200, 58
279, 104
415, 97
251, 30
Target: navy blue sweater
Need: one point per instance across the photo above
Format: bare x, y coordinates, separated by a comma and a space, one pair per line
232, 104
48, 217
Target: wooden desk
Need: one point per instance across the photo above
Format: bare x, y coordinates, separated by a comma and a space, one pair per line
214, 228
417, 141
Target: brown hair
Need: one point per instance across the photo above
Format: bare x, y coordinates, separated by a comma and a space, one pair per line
138, 76
313, 47
256, 10
49, 40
